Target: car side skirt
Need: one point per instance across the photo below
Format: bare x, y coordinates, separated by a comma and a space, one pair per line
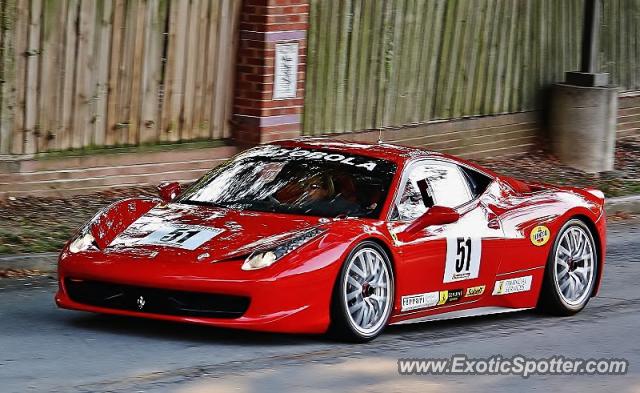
473, 312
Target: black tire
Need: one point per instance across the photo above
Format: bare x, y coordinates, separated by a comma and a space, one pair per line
551, 300
342, 327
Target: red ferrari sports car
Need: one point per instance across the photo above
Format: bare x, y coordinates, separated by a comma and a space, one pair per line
322, 236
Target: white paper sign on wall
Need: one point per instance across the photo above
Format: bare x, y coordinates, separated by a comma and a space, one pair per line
286, 71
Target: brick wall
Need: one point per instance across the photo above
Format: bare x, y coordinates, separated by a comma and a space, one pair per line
487, 136
629, 116
70, 175
257, 117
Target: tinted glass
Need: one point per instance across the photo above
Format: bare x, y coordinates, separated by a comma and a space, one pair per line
297, 181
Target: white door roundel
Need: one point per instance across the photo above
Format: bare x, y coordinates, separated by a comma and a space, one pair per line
463, 258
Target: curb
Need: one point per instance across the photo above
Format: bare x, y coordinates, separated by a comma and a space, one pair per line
47, 261
626, 204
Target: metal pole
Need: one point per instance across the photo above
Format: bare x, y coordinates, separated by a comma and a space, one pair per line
592, 12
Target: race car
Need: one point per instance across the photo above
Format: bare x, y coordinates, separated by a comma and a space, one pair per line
316, 236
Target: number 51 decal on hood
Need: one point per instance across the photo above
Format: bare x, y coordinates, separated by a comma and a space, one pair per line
188, 237
463, 259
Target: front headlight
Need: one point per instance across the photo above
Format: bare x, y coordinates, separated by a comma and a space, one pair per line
266, 257
85, 241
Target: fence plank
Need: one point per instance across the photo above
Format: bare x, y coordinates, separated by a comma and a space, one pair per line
114, 66
485, 52
52, 41
344, 17
418, 61
85, 74
102, 50
137, 31
225, 55
408, 55
435, 51
155, 14
368, 71
31, 131
445, 71
393, 52
219, 93
126, 82
229, 56
331, 47
515, 89
21, 48
200, 129
309, 115
191, 59
7, 74
214, 127
174, 77
476, 17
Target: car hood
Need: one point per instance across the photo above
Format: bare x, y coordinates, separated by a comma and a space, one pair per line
206, 233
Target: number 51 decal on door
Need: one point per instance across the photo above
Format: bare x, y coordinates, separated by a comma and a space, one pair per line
463, 259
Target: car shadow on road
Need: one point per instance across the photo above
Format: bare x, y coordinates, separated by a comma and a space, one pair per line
441, 329
173, 331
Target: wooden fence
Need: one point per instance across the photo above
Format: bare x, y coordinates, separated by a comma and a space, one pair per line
620, 43
83, 73
375, 64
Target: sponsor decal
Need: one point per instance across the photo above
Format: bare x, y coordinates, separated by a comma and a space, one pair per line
430, 299
512, 285
474, 291
444, 295
422, 300
463, 259
188, 237
358, 162
449, 296
540, 235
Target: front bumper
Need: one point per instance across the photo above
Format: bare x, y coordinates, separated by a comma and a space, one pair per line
288, 301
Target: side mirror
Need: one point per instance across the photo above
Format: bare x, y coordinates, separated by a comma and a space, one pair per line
436, 215
169, 190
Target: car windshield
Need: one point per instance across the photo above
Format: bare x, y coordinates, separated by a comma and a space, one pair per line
296, 181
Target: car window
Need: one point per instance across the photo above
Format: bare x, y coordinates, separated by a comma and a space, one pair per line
478, 182
297, 181
428, 184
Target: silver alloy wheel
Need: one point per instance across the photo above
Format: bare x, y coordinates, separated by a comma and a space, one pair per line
574, 271
367, 291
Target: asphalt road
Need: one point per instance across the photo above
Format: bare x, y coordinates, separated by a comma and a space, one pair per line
50, 350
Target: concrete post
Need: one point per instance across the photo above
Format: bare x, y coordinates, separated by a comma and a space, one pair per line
583, 125
584, 108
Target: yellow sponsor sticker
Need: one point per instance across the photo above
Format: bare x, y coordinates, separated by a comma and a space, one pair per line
474, 291
540, 235
444, 295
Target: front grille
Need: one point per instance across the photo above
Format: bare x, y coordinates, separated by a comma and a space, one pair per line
156, 301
